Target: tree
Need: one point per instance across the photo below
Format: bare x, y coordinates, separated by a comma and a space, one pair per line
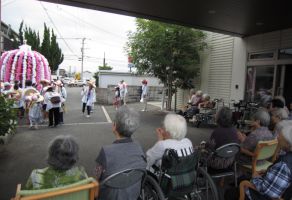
105, 67
56, 57
169, 52
45, 47
96, 77
32, 38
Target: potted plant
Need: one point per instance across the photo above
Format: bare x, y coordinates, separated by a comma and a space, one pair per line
8, 118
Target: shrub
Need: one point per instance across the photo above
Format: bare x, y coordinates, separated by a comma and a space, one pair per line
8, 116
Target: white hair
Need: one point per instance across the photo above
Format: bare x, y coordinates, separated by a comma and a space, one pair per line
199, 93
176, 126
281, 113
287, 134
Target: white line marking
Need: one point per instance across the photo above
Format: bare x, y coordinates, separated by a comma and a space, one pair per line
106, 115
70, 124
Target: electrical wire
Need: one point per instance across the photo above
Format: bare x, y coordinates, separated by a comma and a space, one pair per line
56, 28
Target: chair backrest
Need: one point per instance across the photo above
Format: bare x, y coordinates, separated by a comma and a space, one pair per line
265, 149
83, 190
124, 178
228, 150
178, 173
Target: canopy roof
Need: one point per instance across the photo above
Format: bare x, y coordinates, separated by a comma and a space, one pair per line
234, 17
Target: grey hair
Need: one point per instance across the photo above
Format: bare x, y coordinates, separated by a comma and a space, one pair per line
127, 121
206, 97
287, 134
224, 117
281, 98
192, 91
281, 113
63, 152
199, 93
176, 126
263, 117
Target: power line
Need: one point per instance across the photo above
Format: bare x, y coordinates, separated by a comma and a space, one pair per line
56, 28
92, 25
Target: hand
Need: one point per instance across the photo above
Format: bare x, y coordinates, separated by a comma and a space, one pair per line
241, 136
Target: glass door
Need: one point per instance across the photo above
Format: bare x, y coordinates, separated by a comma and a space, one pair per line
259, 84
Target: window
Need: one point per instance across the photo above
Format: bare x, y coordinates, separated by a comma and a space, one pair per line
285, 53
261, 56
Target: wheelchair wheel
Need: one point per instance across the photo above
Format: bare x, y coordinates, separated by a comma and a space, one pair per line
151, 190
205, 188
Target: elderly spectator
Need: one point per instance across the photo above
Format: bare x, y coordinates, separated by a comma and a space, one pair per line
123, 154
196, 98
206, 102
62, 157
276, 182
260, 132
170, 136
278, 120
224, 134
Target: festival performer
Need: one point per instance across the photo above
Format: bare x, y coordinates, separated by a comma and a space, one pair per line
94, 98
7, 89
18, 101
87, 94
123, 92
63, 93
144, 96
35, 110
44, 84
117, 101
28, 91
53, 100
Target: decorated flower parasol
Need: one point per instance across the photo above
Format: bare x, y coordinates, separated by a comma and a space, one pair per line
24, 64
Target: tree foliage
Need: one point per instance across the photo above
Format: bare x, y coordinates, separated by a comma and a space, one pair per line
48, 47
105, 67
169, 52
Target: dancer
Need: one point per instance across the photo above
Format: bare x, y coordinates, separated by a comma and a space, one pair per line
53, 100
35, 110
123, 92
63, 93
144, 96
117, 101
87, 94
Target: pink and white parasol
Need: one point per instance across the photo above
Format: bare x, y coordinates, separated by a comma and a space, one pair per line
24, 64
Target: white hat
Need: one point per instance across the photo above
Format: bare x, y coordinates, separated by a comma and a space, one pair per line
6, 84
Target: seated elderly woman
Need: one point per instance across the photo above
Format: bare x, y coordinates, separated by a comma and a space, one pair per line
279, 118
170, 136
206, 102
63, 155
122, 154
260, 132
276, 182
225, 133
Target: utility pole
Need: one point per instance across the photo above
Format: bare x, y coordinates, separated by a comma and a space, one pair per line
103, 59
82, 57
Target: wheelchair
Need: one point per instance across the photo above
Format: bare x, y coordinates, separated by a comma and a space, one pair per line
180, 177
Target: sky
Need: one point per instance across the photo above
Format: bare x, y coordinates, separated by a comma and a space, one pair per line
105, 33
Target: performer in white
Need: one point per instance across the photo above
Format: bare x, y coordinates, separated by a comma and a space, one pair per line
144, 96
87, 94
123, 92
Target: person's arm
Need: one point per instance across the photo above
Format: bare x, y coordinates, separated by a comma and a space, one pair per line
100, 164
274, 182
154, 154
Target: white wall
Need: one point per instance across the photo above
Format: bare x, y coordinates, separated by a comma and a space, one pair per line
238, 69
114, 79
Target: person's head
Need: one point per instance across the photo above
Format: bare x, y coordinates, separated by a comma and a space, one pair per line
281, 98
224, 117
285, 138
278, 114
192, 91
206, 97
63, 153
7, 86
260, 118
175, 125
126, 122
277, 103
16, 86
50, 89
28, 83
199, 93
122, 81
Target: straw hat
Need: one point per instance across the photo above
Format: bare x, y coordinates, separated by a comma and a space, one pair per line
45, 81
91, 83
30, 92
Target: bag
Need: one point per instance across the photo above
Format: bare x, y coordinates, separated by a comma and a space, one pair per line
55, 99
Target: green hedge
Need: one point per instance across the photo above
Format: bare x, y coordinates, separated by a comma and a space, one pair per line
8, 116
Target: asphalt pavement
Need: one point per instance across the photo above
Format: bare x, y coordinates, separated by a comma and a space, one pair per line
27, 150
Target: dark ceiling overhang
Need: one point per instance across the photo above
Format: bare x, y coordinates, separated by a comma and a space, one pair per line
234, 17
